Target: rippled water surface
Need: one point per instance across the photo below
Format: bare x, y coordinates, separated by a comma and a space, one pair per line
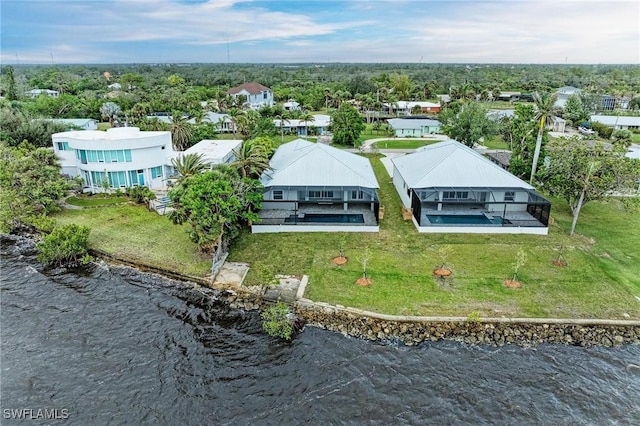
115, 346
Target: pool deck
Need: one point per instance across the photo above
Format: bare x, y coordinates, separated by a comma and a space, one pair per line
277, 217
517, 219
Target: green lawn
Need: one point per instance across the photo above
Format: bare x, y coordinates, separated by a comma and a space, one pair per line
495, 143
134, 233
602, 279
95, 200
635, 137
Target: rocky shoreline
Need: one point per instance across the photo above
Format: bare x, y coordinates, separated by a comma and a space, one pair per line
414, 330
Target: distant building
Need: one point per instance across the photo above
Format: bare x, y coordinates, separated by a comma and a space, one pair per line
34, 93
414, 127
291, 105
214, 151
408, 107
508, 96
320, 123
564, 93
607, 102
618, 121
257, 96
76, 123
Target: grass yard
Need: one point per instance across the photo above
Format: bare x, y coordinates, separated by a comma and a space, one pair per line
134, 233
495, 142
635, 137
95, 200
601, 280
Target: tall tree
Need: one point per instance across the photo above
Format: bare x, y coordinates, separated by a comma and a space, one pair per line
181, 131
574, 111
467, 122
545, 111
12, 92
346, 125
189, 164
111, 112
579, 173
306, 117
252, 159
519, 132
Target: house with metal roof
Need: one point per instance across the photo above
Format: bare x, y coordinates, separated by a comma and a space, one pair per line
213, 151
313, 187
318, 126
255, 94
618, 121
414, 127
34, 93
449, 188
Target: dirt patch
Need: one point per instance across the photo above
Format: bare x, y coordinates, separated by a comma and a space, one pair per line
559, 262
512, 283
442, 272
340, 260
364, 282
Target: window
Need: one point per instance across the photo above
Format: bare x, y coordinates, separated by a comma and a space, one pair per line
133, 178
320, 194
127, 155
509, 195
156, 172
277, 195
63, 146
357, 195
455, 195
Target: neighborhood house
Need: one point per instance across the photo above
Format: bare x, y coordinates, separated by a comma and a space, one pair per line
313, 187
256, 95
319, 124
448, 187
414, 127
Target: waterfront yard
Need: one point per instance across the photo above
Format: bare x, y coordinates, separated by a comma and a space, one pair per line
602, 278
132, 232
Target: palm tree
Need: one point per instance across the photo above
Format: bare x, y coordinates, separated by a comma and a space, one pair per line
282, 120
180, 131
251, 160
234, 115
189, 164
546, 110
306, 117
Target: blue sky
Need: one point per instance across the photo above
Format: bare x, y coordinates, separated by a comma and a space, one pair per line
220, 31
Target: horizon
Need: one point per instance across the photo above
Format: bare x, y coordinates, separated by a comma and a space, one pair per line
100, 32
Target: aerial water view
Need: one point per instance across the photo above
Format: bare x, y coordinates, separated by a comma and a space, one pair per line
256, 212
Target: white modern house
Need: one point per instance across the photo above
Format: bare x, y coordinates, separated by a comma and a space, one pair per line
34, 93
564, 93
617, 121
256, 95
314, 187
125, 156
414, 127
450, 188
320, 124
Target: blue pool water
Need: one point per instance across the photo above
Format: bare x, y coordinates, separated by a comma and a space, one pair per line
465, 219
327, 218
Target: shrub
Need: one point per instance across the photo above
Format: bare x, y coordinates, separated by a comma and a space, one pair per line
66, 244
275, 321
602, 130
140, 194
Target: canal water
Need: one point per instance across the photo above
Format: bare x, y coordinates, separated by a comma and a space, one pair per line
115, 346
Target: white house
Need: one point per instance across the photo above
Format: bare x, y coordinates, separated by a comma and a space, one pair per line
314, 187
451, 188
618, 121
320, 124
125, 156
257, 96
223, 122
564, 93
77, 123
34, 93
218, 151
414, 127
291, 105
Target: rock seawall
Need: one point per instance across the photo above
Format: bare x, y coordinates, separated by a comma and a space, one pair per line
483, 331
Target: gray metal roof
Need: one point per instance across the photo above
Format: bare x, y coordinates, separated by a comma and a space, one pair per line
412, 123
302, 163
616, 120
452, 164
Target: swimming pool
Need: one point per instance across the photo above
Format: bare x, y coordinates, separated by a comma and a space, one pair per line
465, 219
326, 218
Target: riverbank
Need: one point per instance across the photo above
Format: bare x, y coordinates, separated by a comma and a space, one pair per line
405, 329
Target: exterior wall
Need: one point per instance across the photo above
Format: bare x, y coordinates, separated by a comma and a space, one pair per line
520, 196
264, 229
540, 230
399, 183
